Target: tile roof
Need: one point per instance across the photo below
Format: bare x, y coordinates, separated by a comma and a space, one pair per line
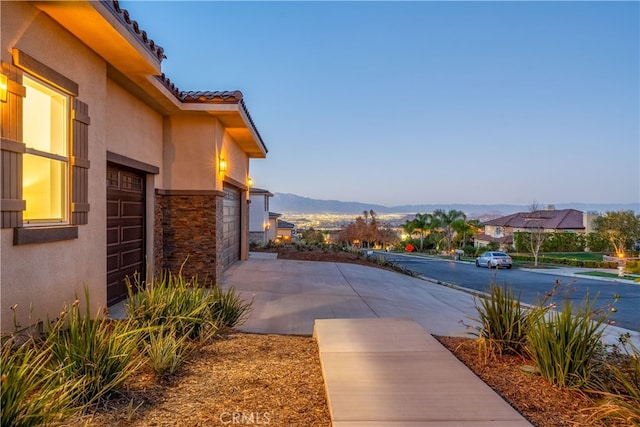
285, 224
551, 219
134, 28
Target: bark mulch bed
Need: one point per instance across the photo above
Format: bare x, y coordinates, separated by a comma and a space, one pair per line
542, 403
240, 379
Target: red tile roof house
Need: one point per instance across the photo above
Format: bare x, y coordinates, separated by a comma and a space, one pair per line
107, 168
500, 230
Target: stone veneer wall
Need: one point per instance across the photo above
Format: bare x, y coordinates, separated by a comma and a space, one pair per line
219, 249
186, 227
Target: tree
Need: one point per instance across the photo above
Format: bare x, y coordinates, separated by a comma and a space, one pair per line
424, 223
535, 227
448, 222
312, 236
363, 232
386, 236
620, 228
465, 229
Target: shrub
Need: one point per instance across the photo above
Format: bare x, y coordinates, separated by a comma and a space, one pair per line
563, 343
166, 351
172, 302
503, 321
31, 395
632, 267
227, 308
621, 397
95, 355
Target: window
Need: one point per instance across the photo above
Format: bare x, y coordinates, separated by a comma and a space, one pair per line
46, 117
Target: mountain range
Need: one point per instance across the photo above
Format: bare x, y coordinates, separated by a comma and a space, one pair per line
291, 203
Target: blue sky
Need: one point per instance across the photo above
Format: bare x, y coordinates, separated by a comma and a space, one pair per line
422, 102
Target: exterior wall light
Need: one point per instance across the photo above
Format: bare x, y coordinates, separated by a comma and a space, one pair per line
222, 165
250, 182
3, 87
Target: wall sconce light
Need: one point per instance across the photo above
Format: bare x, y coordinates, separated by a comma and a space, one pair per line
222, 165
250, 182
3, 87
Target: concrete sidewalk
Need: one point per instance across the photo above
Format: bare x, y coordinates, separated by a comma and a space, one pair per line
390, 372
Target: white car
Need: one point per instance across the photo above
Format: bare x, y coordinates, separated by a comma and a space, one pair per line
494, 260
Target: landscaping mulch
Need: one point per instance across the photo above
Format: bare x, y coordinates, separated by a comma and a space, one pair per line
240, 379
542, 403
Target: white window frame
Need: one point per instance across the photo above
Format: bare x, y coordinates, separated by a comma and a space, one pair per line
64, 159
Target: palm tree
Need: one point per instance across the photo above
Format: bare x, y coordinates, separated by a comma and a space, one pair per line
424, 223
467, 229
448, 222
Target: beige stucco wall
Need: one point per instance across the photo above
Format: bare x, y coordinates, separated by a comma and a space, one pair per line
193, 144
135, 129
237, 160
52, 272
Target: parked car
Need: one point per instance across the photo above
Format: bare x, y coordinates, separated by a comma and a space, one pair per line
494, 260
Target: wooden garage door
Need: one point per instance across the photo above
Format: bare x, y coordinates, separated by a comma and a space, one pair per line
125, 230
231, 230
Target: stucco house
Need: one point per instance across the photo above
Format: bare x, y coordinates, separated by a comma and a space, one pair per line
259, 215
550, 220
272, 231
284, 231
107, 168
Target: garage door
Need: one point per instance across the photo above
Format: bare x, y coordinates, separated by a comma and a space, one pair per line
231, 230
125, 230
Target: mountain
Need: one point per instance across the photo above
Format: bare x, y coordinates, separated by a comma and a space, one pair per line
292, 203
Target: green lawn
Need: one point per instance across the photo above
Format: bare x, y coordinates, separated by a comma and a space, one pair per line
611, 275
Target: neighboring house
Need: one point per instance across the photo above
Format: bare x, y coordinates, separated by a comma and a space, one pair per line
501, 230
259, 215
284, 231
272, 229
107, 168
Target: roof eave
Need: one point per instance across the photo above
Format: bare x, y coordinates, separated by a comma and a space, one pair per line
105, 30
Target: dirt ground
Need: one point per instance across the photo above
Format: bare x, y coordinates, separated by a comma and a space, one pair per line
249, 379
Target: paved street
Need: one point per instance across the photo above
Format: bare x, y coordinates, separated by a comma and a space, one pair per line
531, 284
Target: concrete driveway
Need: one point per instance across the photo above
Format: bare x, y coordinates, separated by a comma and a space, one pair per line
289, 295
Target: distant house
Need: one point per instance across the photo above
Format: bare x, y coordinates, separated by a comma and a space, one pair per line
108, 170
272, 231
285, 231
259, 216
501, 230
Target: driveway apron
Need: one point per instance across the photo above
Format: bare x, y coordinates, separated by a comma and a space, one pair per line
288, 296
